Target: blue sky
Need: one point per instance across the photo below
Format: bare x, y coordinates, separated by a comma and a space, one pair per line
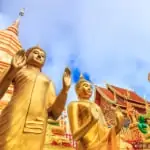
108, 39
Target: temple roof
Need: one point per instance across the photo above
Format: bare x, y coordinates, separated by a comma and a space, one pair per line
120, 96
110, 97
126, 94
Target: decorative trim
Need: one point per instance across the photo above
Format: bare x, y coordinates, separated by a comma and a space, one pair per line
7, 35
118, 93
122, 109
10, 45
106, 97
138, 105
7, 51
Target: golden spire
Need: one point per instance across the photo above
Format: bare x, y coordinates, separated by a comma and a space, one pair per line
14, 27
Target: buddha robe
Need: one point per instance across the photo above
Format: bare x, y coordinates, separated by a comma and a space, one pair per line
23, 121
98, 136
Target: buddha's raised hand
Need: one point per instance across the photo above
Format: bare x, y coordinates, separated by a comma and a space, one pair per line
66, 79
19, 60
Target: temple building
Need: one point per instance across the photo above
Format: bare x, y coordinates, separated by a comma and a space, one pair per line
58, 134
9, 45
111, 96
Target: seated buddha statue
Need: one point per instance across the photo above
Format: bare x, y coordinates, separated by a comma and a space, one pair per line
87, 122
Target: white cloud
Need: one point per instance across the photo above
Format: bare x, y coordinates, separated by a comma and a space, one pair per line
111, 38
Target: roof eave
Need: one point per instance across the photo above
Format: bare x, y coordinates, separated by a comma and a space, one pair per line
105, 96
119, 94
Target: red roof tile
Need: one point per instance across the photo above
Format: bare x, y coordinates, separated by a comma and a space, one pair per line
121, 103
124, 92
105, 92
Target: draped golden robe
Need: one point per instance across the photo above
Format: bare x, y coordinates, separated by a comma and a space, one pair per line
23, 121
98, 135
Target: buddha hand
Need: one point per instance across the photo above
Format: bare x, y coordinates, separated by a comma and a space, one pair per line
19, 60
94, 112
119, 119
66, 79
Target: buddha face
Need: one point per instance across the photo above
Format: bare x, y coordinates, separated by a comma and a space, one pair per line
85, 90
36, 58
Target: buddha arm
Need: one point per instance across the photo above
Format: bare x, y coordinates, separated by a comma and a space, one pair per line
119, 121
6, 81
78, 130
56, 103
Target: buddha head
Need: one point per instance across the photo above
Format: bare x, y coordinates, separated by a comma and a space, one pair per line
36, 56
83, 88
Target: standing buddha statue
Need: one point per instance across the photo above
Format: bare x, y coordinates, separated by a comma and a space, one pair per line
87, 122
23, 121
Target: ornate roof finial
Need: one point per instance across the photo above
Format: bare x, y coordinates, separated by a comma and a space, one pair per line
146, 106
128, 94
146, 102
14, 27
21, 13
115, 97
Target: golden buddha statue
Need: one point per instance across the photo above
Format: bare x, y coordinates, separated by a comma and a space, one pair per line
23, 121
87, 122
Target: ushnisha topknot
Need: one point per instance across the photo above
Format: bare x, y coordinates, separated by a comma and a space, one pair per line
32, 48
81, 80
